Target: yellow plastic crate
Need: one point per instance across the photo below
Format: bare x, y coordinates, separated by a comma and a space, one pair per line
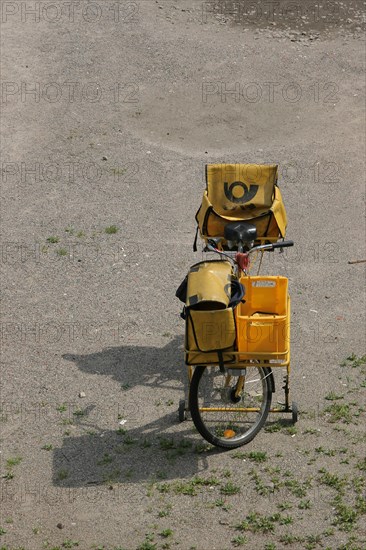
263, 321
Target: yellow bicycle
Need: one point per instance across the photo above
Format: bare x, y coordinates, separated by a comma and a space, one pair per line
230, 392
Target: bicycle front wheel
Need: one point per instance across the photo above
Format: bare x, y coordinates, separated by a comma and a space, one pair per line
229, 409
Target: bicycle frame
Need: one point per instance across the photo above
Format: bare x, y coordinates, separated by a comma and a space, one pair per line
230, 389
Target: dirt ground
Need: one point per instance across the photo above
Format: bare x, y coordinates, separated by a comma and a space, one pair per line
110, 110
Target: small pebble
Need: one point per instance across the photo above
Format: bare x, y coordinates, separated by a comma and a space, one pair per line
104, 158
82, 394
60, 526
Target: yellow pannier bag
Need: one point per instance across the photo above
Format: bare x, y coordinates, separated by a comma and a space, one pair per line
210, 293
242, 192
210, 335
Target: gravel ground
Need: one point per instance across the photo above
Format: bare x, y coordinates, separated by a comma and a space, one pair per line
110, 110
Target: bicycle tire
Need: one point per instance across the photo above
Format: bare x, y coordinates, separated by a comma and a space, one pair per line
229, 429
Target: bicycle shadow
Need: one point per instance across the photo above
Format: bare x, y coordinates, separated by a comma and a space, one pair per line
142, 454
151, 451
133, 365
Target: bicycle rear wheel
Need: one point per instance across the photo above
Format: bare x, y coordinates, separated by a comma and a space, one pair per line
228, 410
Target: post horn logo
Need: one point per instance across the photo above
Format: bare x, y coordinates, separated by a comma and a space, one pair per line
239, 193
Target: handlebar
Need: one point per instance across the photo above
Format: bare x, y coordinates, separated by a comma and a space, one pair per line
270, 246
242, 260
284, 244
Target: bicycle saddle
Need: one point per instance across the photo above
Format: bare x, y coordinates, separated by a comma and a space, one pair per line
240, 232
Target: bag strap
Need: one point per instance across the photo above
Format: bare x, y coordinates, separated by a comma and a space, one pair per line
181, 291
195, 241
237, 293
221, 361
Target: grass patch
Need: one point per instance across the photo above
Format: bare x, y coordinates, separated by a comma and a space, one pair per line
67, 422
360, 504
326, 452
345, 516
53, 239
165, 511
8, 476
361, 464
332, 480
148, 543
258, 523
311, 431
128, 440
112, 477
261, 487
62, 474
354, 361
174, 449
166, 533
203, 448
304, 504
272, 428
229, 489
290, 539
190, 487
291, 430
111, 229
107, 459
339, 413
284, 506
333, 396
257, 456
313, 541
80, 412
239, 540
167, 444
297, 488
14, 461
